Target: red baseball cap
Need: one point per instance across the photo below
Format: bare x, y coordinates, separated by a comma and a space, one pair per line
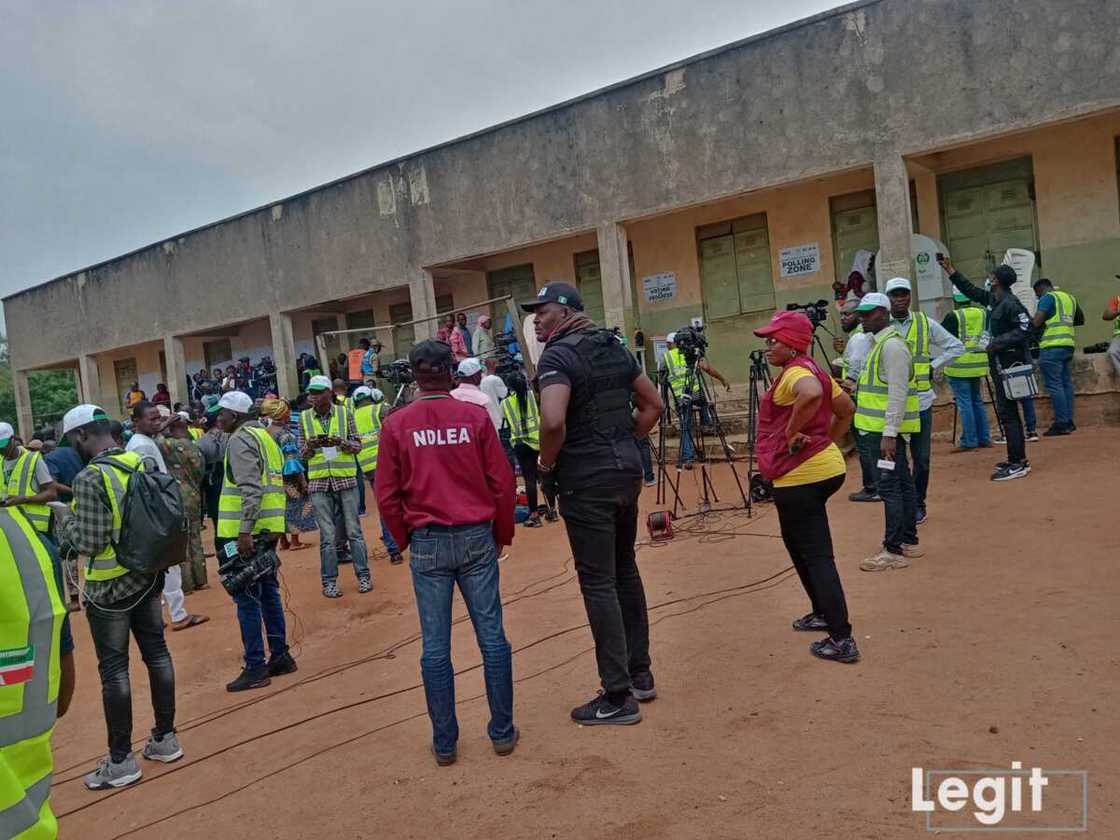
794, 329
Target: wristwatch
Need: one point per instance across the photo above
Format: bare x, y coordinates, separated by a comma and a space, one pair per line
542, 468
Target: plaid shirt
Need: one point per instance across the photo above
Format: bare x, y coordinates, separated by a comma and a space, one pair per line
89, 529
332, 484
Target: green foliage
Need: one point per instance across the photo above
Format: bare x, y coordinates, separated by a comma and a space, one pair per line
53, 392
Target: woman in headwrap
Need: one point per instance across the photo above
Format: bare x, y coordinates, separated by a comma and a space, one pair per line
275, 414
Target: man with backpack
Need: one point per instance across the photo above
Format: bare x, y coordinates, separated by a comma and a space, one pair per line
118, 600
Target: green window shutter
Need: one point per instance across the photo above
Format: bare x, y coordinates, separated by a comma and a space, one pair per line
752, 262
718, 277
589, 281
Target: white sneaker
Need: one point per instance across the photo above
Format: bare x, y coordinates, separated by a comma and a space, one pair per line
110, 774
882, 561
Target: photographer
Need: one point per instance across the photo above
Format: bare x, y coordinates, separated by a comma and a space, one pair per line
684, 385
251, 519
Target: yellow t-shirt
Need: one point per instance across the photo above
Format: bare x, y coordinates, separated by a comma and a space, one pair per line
827, 463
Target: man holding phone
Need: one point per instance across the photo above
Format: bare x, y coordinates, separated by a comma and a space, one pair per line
330, 445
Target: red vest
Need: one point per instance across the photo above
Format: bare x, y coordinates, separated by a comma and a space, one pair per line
771, 449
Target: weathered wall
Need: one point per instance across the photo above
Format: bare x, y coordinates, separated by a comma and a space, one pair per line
869, 82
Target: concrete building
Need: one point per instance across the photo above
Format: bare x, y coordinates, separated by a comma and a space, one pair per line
720, 187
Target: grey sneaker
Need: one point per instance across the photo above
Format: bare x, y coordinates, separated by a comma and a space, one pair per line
110, 774
165, 749
331, 590
365, 584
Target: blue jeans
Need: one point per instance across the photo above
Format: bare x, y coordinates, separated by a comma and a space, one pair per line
441, 556
900, 508
971, 411
259, 603
387, 538
685, 412
343, 504
1057, 373
868, 460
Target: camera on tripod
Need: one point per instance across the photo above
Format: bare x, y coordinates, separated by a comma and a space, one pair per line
816, 312
398, 372
692, 342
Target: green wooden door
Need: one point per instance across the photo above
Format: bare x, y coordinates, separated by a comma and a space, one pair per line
735, 274
752, 265
853, 231
589, 281
718, 278
403, 337
517, 281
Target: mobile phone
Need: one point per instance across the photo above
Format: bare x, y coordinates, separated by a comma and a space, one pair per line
940, 256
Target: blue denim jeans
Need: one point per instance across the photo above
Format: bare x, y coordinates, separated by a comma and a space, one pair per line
342, 504
971, 412
387, 538
686, 413
1057, 372
900, 507
440, 557
259, 604
868, 460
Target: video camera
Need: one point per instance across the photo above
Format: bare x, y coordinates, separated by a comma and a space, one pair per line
398, 372
508, 361
817, 312
692, 343
237, 573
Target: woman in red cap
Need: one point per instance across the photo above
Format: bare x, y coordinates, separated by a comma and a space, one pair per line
799, 421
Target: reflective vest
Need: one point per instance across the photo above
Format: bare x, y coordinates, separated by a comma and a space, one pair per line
105, 566
20, 484
195, 433
1059, 326
917, 336
871, 393
523, 428
310, 425
31, 615
843, 361
973, 363
271, 517
367, 420
677, 368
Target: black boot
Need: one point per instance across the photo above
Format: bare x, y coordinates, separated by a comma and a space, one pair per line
280, 665
250, 678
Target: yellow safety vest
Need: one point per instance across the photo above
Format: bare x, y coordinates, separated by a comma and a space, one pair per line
973, 363
917, 336
523, 428
31, 614
367, 420
345, 465
1059, 326
677, 368
195, 433
271, 518
20, 484
844, 362
871, 393
105, 566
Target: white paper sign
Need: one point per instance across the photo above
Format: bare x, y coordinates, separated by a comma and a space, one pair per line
659, 287
800, 260
329, 452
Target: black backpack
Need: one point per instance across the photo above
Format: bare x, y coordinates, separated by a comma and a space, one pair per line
153, 524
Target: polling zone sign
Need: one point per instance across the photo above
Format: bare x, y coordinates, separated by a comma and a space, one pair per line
800, 260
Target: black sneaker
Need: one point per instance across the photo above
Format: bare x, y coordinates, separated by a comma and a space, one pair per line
1032, 437
533, 521
255, 678
642, 687
552, 515
810, 622
395, 558
844, 650
1057, 431
282, 665
1072, 426
602, 712
865, 495
1008, 472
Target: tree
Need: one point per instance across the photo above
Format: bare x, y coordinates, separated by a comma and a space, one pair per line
53, 392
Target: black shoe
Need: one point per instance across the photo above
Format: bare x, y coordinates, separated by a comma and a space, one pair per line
865, 495
395, 558
810, 623
844, 650
642, 687
255, 678
282, 665
552, 515
602, 712
533, 521
1072, 426
1057, 431
1007, 472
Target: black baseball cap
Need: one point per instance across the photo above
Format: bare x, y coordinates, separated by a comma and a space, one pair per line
432, 354
562, 293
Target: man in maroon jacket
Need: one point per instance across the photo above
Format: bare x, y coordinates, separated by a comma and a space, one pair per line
445, 490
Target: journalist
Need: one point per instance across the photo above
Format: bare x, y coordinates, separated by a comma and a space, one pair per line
799, 421
684, 387
250, 523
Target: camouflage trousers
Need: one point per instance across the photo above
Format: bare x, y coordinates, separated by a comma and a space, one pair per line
194, 567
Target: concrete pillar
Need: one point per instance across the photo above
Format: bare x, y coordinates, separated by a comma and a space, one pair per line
24, 421
422, 294
614, 266
892, 199
89, 380
176, 358
284, 354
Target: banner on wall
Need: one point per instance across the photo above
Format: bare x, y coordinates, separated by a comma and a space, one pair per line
660, 287
799, 260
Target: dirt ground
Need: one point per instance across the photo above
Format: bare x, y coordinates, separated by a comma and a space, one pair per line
999, 645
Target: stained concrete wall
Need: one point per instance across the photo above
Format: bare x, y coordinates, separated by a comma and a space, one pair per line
864, 84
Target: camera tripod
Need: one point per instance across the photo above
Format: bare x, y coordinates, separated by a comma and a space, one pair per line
759, 384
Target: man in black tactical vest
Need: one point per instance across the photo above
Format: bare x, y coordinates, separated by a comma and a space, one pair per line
589, 459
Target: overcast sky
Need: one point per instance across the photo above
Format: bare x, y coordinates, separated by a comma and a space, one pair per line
123, 123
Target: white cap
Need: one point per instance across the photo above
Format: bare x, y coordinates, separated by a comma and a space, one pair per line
361, 392
182, 415
6, 433
319, 383
873, 300
376, 394
236, 401
164, 411
469, 367
671, 337
81, 415
897, 283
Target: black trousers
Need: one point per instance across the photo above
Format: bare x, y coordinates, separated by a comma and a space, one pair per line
1008, 411
110, 630
527, 458
602, 524
804, 523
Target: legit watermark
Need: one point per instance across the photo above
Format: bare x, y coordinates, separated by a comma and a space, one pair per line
998, 799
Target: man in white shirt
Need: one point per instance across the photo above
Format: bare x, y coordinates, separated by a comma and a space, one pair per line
469, 374
147, 422
493, 386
